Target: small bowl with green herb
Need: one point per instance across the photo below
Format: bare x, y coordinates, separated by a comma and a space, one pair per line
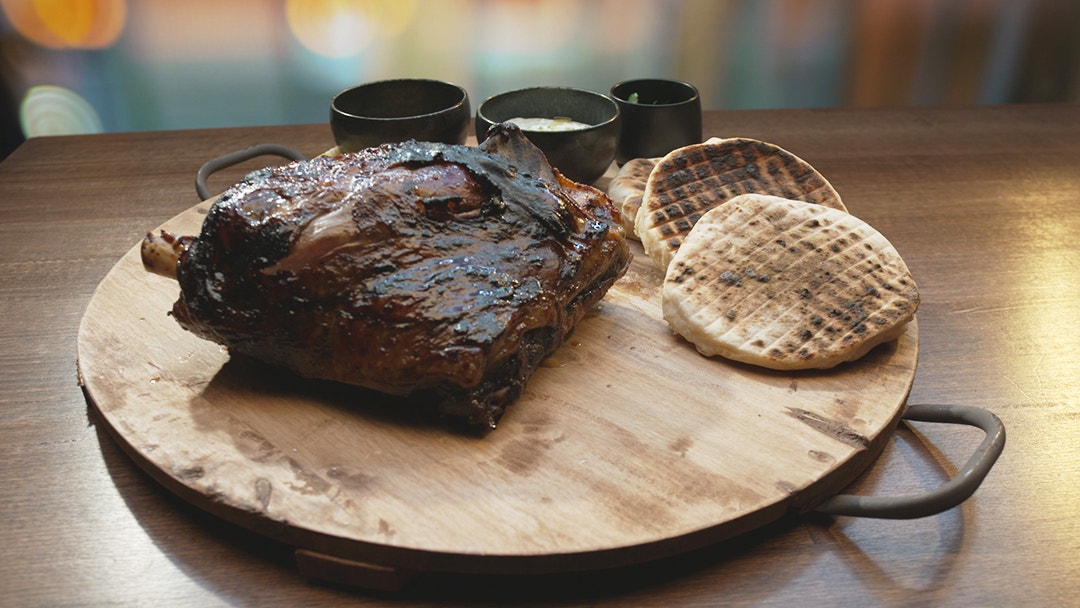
658, 116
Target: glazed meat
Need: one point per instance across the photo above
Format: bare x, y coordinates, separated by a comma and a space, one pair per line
442, 274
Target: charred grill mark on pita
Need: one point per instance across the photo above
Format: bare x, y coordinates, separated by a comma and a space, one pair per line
719, 304
690, 181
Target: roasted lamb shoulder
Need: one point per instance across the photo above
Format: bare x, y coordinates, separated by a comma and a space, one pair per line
438, 273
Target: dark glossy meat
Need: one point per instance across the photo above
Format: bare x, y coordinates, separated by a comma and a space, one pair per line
440, 273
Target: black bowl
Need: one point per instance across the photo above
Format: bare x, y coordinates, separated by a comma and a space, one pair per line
583, 154
389, 111
659, 115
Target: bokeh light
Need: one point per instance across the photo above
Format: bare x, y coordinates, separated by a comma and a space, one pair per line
68, 24
168, 64
345, 28
553, 25
54, 110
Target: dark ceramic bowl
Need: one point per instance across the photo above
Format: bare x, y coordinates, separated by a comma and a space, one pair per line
659, 115
389, 111
582, 155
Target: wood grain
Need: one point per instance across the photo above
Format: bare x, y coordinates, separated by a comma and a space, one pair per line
981, 202
626, 446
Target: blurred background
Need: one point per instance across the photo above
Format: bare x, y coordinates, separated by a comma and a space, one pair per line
86, 66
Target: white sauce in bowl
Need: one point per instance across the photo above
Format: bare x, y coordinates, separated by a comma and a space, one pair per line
558, 123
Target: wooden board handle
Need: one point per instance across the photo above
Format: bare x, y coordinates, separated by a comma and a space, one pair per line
233, 158
950, 494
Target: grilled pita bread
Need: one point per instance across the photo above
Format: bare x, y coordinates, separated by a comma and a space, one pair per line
627, 188
689, 181
787, 285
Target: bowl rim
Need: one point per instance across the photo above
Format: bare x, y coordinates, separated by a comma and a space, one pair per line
614, 117
696, 93
451, 108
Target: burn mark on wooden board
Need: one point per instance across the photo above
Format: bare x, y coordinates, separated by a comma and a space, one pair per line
826, 426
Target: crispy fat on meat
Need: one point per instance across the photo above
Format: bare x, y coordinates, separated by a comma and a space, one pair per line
787, 285
440, 273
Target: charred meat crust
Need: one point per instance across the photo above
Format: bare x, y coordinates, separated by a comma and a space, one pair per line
429, 271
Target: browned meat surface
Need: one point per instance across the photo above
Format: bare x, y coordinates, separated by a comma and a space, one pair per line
444, 274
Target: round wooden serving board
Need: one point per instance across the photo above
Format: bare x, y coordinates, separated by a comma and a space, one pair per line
626, 446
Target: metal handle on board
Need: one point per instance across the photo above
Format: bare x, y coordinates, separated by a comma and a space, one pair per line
217, 164
950, 494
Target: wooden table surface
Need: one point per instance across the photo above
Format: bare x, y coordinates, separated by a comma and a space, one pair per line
983, 203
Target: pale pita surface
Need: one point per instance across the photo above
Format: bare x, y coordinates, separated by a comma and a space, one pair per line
689, 181
627, 188
787, 285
